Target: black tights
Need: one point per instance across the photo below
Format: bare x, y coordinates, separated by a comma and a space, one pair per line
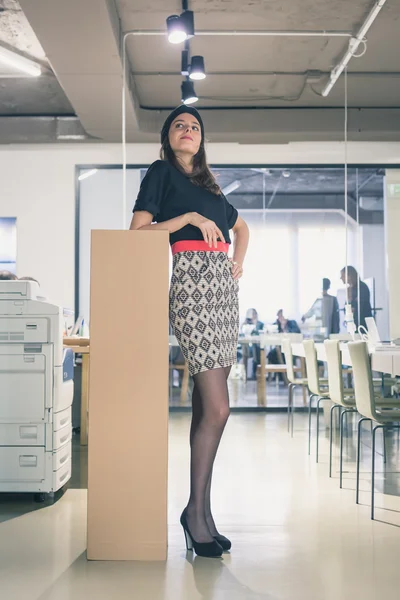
210, 412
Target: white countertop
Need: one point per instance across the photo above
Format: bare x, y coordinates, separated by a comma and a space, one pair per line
384, 361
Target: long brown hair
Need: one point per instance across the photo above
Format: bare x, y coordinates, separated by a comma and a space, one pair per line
201, 174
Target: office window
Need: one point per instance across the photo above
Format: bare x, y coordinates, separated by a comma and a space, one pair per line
8, 244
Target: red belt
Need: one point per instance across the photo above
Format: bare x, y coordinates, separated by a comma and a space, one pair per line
198, 246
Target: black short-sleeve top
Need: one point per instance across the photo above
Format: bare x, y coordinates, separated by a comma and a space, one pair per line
166, 193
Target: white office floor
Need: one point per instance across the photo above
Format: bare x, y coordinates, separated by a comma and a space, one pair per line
295, 535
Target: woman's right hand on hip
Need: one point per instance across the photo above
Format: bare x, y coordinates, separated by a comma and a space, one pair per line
208, 228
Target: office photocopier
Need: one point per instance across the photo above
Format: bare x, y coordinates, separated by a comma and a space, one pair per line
36, 392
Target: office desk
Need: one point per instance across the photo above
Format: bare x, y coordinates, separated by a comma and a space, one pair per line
185, 379
381, 361
85, 351
263, 340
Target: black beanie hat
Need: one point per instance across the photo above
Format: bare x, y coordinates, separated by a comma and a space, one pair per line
179, 111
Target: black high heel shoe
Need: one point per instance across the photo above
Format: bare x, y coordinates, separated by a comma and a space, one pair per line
208, 549
223, 541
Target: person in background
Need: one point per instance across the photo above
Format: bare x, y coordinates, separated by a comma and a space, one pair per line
7, 276
286, 325
252, 319
352, 296
29, 279
325, 309
252, 350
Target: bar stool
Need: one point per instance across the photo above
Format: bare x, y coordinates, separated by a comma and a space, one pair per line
367, 401
293, 380
317, 386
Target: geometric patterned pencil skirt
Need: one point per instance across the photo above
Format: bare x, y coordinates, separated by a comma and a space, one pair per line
203, 305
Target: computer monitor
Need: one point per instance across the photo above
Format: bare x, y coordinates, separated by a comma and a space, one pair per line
78, 323
373, 333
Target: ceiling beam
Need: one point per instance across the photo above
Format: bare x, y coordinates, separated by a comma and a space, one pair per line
317, 202
82, 41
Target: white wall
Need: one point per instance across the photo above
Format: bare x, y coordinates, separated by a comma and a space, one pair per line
373, 254
101, 208
37, 185
392, 230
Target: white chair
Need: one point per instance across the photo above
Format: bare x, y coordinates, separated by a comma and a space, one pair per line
367, 401
293, 380
317, 386
343, 399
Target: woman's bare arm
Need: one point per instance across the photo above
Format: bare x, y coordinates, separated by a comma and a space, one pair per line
241, 240
143, 220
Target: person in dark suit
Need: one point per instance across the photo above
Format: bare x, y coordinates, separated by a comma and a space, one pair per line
326, 309
354, 283
284, 326
253, 349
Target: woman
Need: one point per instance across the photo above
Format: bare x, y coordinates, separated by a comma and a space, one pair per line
253, 350
364, 310
181, 195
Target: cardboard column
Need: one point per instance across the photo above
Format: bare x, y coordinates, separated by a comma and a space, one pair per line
128, 396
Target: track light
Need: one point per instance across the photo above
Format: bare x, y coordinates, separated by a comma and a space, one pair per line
180, 28
187, 18
87, 174
231, 187
176, 31
188, 93
197, 70
12, 59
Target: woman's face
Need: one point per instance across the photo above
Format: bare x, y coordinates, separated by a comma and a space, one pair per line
185, 134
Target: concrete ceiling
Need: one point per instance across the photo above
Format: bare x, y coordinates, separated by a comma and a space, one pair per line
81, 42
27, 95
313, 181
299, 189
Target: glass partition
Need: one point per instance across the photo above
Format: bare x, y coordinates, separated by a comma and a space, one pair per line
298, 240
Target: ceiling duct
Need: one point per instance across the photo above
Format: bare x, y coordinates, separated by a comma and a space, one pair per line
371, 203
34, 130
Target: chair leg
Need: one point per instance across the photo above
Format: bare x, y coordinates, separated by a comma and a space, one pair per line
359, 455
293, 386
318, 405
383, 427
312, 396
384, 445
347, 410
289, 403
373, 471
331, 438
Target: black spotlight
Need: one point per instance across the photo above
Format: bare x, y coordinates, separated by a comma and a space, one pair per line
188, 93
197, 70
180, 28
187, 18
176, 30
